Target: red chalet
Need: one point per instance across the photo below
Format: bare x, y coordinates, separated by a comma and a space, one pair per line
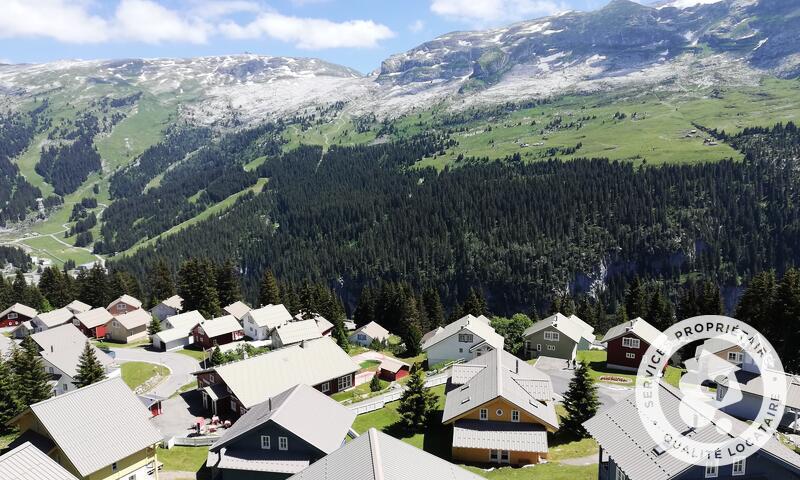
392, 369
217, 331
627, 343
16, 314
93, 323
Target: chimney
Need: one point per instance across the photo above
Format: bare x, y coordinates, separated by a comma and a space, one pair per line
516, 369
51, 348
270, 403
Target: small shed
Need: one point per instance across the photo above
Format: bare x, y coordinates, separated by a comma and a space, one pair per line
392, 369
152, 402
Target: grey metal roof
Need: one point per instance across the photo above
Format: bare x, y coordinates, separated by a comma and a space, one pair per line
76, 306
374, 331
220, 326
62, 346
238, 309
263, 376
302, 410
271, 316
472, 324
249, 461
21, 309
637, 326
97, 425
134, 319
94, 318
294, 332
175, 302
128, 300
27, 462
503, 375
392, 364
185, 321
621, 433
573, 327
55, 317
377, 456
753, 384
517, 437
323, 324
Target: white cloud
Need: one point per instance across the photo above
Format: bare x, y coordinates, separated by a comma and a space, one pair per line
149, 22
416, 26
221, 8
483, 12
63, 21
311, 33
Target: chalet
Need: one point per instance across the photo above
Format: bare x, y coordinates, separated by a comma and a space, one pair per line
259, 323
43, 321
295, 332
627, 343
627, 450
177, 331
22, 330
233, 388
167, 308
323, 324
98, 432
28, 462
745, 400
392, 369
378, 456
558, 336
93, 323
129, 327
238, 309
123, 305
501, 409
462, 340
369, 333
217, 331
76, 307
725, 350
16, 314
61, 348
278, 437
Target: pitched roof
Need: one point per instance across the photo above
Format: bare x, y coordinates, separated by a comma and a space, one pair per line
637, 326
175, 302
323, 324
573, 327
753, 384
430, 334
297, 410
373, 330
27, 462
128, 300
378, 456
271, 316
474, 325
76, 306
294, 332
55, 317
392, 364
517, 437
20, 309
94, 318
134, 319
172, 334
97, 425
620, 431
502, 376
264, 376
238, 309
186, 320
220, 326
62, 346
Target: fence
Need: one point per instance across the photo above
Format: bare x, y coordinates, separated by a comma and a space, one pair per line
204, 441
372, 404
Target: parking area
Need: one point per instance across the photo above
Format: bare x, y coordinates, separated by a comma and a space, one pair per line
179, 413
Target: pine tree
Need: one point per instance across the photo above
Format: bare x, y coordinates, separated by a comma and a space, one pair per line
711, 300
161, 284
365, 310
217, 357
19, 289
229, 286
636, 299
410, 332
580, 402
90, 370
375, 384
433, 307
154, 326
660, 311
121, 283
270, 293
32, 379
9, 404
55, 287
418, 404
5, 294
340, 335
784, 328
757, 303
586, 311
93, 286
621, 315
197, 286
475, 304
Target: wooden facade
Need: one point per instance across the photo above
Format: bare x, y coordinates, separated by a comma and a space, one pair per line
623, 352
13, 319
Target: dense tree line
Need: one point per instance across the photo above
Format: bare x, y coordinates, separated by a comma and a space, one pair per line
15, 256
17, 196
17, 290
68, 164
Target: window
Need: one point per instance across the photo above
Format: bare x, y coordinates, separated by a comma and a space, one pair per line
465, 337
114, 467
515, 415
121, 307
362, 337
345, 382
538, 347
632, 356
484, 414
13, 316
712, 470
735, 357
233, 406
494, 455
460, 350
325, 387
132, 477
283, 443
620, 474
499, 412
738, 467
552, 336
629, 342
50, 370
504, 456
265, 445
551, 347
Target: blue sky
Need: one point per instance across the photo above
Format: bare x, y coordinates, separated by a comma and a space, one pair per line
356, 33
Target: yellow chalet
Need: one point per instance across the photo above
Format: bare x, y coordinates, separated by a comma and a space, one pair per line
99, 432
501, 409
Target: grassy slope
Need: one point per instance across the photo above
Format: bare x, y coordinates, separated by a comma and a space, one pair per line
137, 373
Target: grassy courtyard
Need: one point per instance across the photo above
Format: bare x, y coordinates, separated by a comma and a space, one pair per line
136, 374
596, 361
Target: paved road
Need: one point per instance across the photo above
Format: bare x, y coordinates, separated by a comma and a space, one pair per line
181, 367
560, 377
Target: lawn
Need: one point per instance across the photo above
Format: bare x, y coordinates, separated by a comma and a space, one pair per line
198, 355
369, 365
596, 360
182, 459
105, 345
546, 471
137, 373
361, 392
185, 388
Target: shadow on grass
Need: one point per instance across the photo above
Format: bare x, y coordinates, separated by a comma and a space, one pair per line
601, 367
437, 438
